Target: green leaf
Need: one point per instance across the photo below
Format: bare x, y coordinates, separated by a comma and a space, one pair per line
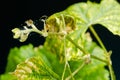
34, 69
54, 62
18, 55
38, 68
7, 76
92, 71
96, 68
51, 57
106, 13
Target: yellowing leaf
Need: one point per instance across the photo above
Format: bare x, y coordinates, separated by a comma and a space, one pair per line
107, 13
34, 69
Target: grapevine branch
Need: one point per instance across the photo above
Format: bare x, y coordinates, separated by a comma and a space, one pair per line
107, 54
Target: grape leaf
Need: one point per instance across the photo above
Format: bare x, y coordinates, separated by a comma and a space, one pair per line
34, 68
47, 64
7, 76
52, 54
17, 55
28, 53
53, 59
106, 13
96, 68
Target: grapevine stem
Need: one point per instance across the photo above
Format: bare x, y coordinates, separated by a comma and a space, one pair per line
76, 45
85, 52
67, 64
66, 60
112, 72
70, 71
95, 57
98, 39
49, 70
64, 72
76, 71
37, 31
106, 53
65, 67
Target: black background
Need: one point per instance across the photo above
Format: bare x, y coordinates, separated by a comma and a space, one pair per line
14, 13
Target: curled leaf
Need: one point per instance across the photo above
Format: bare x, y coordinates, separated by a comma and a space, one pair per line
16, 32
22, 35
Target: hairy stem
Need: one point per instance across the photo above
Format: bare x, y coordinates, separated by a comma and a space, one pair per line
106, 53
